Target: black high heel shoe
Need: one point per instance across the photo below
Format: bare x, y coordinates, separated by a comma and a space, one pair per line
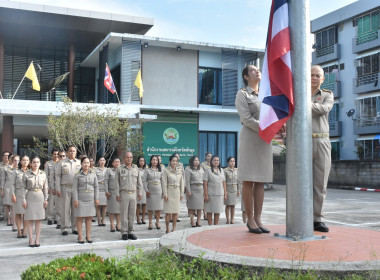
264, 230
88, 241
254, 230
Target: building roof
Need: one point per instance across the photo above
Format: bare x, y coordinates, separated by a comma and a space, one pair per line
34, 25
114, 41
346, 13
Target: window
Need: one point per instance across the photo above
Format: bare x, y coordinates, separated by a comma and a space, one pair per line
334, 113
367, 27
367, 69
369, 111
331, 76
210, 86
335, 150
368, 149
223, 144
325, 41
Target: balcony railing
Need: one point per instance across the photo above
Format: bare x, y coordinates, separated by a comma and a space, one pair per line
334, 87
367, 125
367, 79
325, 50
367, 37
335, 128
326, 54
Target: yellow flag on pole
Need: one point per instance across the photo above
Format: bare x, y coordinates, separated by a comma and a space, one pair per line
32, 75
139, 84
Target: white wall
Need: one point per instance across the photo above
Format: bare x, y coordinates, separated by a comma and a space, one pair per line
219, 122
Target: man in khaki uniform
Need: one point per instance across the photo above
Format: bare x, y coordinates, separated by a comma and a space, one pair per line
49, 170
5, 161
64, 176
128, 182
322, 103
58, 199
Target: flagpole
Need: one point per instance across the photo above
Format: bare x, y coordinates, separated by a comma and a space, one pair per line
1, 95
117, 97
299, 177
18, 87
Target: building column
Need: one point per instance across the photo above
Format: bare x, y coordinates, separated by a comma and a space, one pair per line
70, 83
7, 134
2, 51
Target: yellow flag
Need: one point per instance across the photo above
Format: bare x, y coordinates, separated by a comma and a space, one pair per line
139, 84
32, 75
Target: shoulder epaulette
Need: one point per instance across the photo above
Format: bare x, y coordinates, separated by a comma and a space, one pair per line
327, 90
244, 89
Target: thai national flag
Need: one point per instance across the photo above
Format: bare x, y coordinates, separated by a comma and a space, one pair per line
108, 82
276, 87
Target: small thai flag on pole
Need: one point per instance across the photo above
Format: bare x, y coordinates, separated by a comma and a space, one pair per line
108, 82
276, 87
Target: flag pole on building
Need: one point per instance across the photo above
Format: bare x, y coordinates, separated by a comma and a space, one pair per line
109, 84
31, 75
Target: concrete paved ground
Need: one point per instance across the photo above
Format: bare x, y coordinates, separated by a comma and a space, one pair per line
343, 207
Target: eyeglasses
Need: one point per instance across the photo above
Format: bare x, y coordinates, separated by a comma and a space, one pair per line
62, 156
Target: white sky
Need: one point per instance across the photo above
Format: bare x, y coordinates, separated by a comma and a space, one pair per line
232, 22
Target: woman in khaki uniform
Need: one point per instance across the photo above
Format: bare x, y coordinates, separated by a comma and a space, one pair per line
152, 181
255, 155
35, 199
6, 190
194, 189
233, 189
173, 188
113, 206
141, 204
17, 196
214, 185
101, 209
85, 197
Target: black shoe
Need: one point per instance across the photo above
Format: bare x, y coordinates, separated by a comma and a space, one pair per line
124, 236
58, 227
320, 226
65, 232
264, 230
81, 242
117, 229
143, 222
55, 222
93, 220
254, 230
24, 236
178, 221
88, 240
113, 230
31, 245
132, 236
36, 245
75, 232
50, 222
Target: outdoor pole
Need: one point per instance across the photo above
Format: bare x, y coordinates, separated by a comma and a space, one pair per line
117, 97
299, 177
19, 86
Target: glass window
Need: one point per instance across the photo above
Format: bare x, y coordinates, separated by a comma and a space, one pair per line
334, 113
222, 144
367, 27
210, 86
368, 149
335, 150
325, 38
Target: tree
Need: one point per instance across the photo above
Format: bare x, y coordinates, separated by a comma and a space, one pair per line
92, 131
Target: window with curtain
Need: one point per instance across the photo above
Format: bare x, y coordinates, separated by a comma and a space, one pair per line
367, 27
223, 144
210, 86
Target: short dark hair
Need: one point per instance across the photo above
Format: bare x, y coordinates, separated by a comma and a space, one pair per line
83, 158
245, 73
212, 167
229, 158
72, 146
208, 153
191, 162
54, 150
171, 157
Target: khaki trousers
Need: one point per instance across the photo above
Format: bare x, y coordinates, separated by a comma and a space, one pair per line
58, 208
321, 171
50, 209
127, 211
1, 207
67, 210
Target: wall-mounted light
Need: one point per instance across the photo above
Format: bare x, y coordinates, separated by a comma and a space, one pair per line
179, 48
351, 113
146, 44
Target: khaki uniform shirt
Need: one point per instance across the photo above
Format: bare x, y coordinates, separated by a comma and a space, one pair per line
232, 182
35, 182
128, 179
101, 175
49, 170
17, 182
205, 165
151, 177
110, 182
193, 177
65, 171
87, 183
5, 174
322, 103
172, 178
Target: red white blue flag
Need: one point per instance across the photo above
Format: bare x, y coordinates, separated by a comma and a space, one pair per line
276, 86
108, 82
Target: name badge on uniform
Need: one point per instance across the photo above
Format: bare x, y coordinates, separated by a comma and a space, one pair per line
65, 171
123, 171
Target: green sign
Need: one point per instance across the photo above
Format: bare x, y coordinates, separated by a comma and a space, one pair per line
167, 138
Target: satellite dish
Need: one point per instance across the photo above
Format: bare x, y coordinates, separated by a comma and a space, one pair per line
315, 45
350, 113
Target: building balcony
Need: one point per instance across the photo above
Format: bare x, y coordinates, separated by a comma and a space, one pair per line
334, 87
367, 125
335, 128
326, 54
367, 41
366, 83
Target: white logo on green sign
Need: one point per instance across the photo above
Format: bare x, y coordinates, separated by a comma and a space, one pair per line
170, 136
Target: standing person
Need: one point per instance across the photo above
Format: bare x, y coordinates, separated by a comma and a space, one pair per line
64, 176
49, 171
128, 182
141, 164
101, 208
207, 163
92, 162
173, 188
85, 197
6, 189
113, 205
4, 162
18, 196
233, 189
160, 162
35, 199
255, 155
182, 169
152, 182
322, 103
214, 188
58, 199
194, 189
